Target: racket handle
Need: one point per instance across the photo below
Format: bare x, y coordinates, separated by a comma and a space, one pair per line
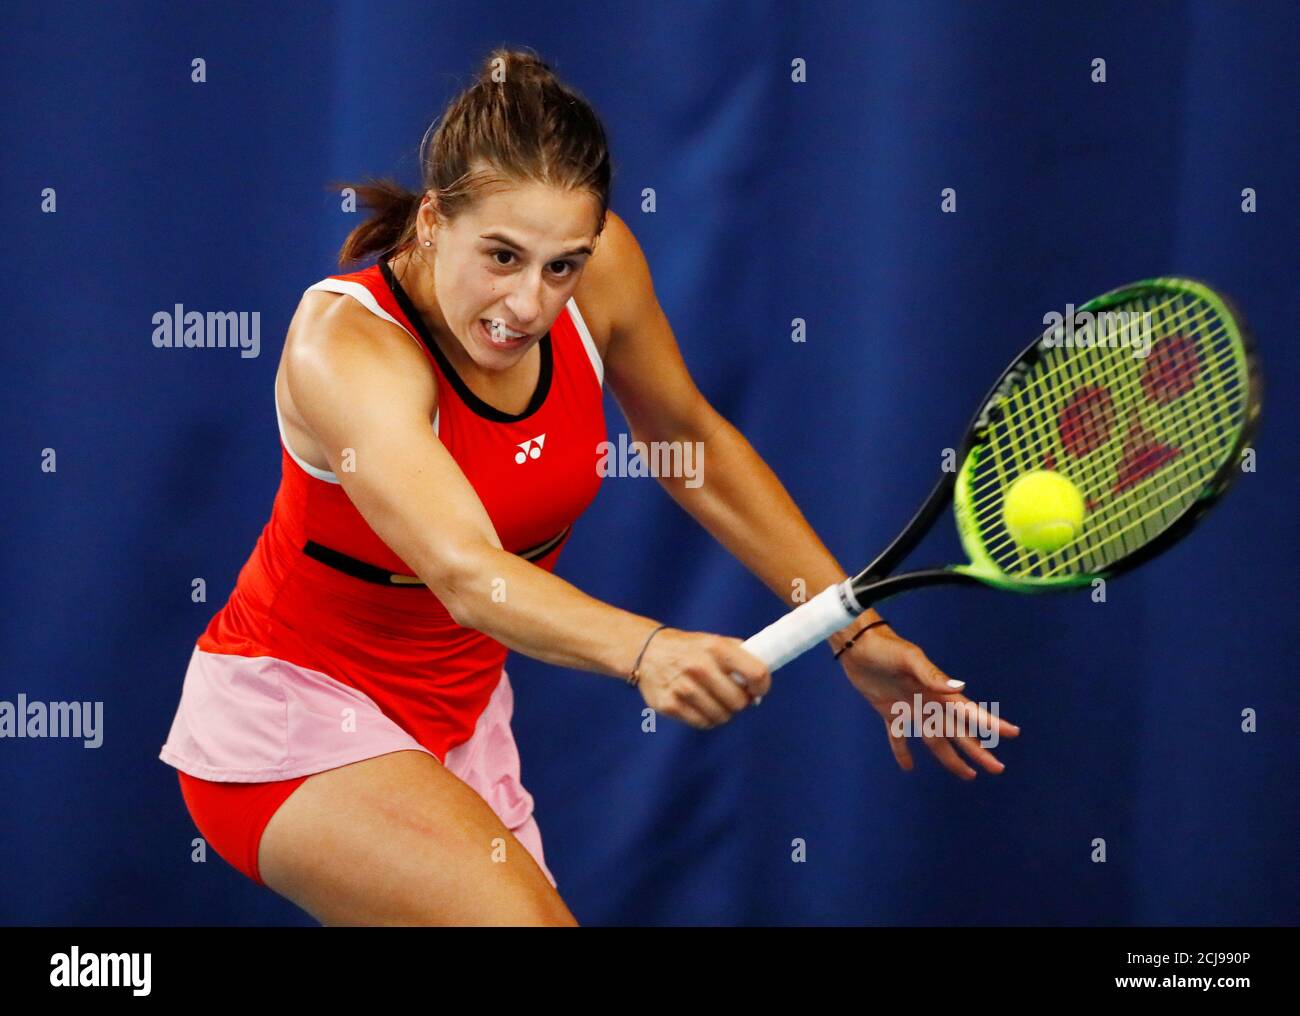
805, 626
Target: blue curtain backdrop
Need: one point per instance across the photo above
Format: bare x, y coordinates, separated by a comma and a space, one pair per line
776, 200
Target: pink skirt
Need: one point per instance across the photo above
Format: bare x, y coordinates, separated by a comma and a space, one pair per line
250, 730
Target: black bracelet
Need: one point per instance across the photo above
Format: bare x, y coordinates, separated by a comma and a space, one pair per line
854, 637
634, 677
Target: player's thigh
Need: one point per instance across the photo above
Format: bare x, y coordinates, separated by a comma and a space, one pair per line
397, 839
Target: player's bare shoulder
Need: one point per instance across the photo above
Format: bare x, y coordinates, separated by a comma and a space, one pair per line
337, 324
334, 344
335, 333
615, 264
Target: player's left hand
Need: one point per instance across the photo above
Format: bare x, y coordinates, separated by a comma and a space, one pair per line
889, 670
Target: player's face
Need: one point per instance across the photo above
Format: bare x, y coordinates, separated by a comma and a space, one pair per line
497, 297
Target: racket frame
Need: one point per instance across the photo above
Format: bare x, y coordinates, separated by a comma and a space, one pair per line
837, 605
1251, 380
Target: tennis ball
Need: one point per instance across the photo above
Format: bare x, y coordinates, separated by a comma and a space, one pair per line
1043, 511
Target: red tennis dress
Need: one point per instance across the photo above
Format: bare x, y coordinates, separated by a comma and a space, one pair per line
330, 651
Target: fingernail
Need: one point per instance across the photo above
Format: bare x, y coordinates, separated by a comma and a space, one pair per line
758, 701
954, 683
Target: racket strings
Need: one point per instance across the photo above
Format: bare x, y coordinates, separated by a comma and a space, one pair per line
1162, 511
1027, 426
1031, 405
1019, 437
1045, 376
1122, 535
1140, 436
1027, 411
1153, 460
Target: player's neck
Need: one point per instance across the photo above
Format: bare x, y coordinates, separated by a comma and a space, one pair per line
419, 288
417, 282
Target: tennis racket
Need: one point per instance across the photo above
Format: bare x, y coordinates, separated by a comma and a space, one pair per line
1151, 441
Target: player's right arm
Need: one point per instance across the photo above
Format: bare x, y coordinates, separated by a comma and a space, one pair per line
365, 391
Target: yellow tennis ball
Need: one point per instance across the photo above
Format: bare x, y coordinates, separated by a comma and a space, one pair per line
1043, 511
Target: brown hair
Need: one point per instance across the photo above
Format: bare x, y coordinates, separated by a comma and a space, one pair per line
521, 120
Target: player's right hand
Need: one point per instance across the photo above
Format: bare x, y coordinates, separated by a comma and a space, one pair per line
688, 675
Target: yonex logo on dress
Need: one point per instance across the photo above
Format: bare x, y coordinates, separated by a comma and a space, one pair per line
221, 329
76, 969
530, 449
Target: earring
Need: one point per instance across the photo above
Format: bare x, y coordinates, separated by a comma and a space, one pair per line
428, 243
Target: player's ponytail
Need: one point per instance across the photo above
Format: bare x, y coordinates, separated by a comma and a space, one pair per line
516, 123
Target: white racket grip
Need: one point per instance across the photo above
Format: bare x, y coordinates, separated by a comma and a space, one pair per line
805, 626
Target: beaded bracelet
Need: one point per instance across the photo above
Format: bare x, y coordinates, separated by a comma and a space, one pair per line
861, 631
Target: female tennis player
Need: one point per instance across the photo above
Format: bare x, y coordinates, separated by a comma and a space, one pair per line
343, 735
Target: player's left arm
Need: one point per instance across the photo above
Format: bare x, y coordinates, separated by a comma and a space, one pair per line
734, 495
729, 489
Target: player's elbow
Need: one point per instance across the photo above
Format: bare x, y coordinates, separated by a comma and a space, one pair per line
462, 581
